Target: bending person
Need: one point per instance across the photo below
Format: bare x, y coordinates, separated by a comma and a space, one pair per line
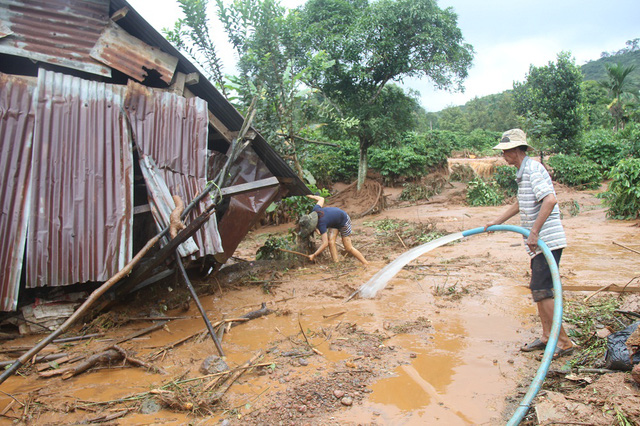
329, 221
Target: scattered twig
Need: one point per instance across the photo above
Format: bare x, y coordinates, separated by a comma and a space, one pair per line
76, 338
227, 384
400, 238
334, 315
107, 418
38, 359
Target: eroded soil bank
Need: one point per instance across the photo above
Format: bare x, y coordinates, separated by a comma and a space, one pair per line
438, 345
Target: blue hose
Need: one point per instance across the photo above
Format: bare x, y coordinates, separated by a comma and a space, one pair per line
547, 357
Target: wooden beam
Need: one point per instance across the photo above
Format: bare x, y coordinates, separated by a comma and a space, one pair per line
141, 209
249, 186
227, 134
119, 14
192, 78
178, 84
614, 288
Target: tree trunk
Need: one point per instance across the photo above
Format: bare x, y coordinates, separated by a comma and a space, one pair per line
362, 164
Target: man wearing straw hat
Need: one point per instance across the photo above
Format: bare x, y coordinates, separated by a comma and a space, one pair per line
329, 221
539, 213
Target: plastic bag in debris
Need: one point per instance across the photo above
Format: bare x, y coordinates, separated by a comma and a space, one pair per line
617, 356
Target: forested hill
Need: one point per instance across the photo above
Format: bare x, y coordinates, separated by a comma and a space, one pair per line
595, 70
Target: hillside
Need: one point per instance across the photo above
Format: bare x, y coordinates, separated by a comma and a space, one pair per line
595, 70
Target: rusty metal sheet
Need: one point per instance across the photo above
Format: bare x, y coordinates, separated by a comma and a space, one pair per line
16, 132
161, 200
60, 32
172, 131
81, 217
122, 51
4, 30
245, 209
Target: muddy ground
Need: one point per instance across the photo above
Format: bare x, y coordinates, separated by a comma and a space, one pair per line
438, 345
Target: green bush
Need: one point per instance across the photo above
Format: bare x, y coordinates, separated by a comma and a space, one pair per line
601, 147
482, 193
395, 163
623, 195
505, 177
575, 171
629, 139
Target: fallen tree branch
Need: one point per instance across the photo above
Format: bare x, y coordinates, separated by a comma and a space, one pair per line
138, 362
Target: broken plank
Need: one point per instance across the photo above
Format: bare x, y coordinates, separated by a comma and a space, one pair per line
249, 186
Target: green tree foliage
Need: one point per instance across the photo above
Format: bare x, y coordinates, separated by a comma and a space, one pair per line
191, 35
619, 87
595, 102
552, 93
375, 43
493, 113
623, 194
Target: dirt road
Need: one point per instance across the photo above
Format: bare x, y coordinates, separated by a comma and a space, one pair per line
438, 345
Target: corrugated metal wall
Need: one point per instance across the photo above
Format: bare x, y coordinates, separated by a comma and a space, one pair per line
16, 132
82, 198
172, 131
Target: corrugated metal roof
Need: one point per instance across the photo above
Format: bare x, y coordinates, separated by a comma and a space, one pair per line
122, 51
16, 132
60, 32
80, 222
172, 130
135, 25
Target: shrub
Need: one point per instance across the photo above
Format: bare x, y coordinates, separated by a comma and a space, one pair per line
505, 177
395, 163
432, 185
629, 139
482, 193
623, 194
601, 147
575, 171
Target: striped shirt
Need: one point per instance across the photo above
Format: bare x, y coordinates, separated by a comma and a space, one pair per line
534, 183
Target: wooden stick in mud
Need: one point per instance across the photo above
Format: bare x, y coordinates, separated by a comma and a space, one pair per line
625, 247
294, 252
187, 281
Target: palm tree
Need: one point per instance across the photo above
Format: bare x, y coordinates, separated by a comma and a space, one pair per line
618, 85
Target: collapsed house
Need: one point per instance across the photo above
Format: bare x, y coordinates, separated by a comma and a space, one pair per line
102, 122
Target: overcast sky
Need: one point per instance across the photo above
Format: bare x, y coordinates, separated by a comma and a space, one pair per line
507, 35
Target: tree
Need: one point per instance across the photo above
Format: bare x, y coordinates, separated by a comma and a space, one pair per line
552, 94
618, 86
191, 35
269, 72
375, 43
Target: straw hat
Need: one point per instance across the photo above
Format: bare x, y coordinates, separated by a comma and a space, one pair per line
513, 138
308, 223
